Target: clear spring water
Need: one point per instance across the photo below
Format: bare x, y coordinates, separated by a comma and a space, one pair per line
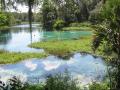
17, 38
84, 67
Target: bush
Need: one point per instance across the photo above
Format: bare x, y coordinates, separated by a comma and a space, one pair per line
18, 21
95, 18
58, 24
56, 82
99, 86
15, 84
61, 82
6, 19
83, 24
34, 87
3, 20
11, 19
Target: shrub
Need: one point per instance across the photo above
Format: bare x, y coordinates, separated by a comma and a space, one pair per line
61, 82
58, 24
95, 18
3, 19
6, 19
35, 87
99, 86
83, 24
15, 84
55, 82
18, 21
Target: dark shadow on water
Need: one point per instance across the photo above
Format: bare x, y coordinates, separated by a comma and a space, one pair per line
5, 36
83, 54
65, 57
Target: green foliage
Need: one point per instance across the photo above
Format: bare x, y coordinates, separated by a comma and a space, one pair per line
108, 11
95, 18
85, 26
10, 19
61, 82
34, 87
48, 13
82, 28
58, 24
12, 84
110, 32
109, 36
3, 19
56, 82
6, 19
67, 10
8, 57
99, 86
15, 84
65, 47
18, 21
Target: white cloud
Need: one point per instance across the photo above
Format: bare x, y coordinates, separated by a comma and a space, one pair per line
50, 65
31, 66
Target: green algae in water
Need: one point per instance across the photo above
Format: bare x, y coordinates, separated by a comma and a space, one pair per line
65, 35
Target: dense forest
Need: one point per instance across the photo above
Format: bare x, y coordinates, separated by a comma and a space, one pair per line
57, 11
102, 16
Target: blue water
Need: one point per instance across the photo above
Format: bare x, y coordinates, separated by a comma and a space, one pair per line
85, 68
17, 38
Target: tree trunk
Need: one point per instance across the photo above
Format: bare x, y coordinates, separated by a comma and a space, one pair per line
30, 17
30, 12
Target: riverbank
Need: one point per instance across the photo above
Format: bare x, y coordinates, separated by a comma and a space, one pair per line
12, 57
4, 27
65, 47
84, 26
7, 27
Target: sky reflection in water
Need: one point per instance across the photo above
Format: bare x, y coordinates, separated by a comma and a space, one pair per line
17, 38
86, 68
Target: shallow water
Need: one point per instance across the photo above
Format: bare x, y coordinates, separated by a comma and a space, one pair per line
85, 68
17, 38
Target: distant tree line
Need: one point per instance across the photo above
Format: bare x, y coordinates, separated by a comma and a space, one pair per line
52, 11
66, 10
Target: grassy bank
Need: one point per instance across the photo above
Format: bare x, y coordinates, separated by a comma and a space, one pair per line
10, 57
85, 26
65, 47
4, 27
77, 28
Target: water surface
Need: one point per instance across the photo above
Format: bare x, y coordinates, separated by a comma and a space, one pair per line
17, 38
86, 68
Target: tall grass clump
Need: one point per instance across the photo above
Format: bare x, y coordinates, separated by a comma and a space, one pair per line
61, 82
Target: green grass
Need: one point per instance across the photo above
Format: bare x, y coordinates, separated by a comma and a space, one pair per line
65, 47
85, 26
10, 57
77, 28
4, 27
